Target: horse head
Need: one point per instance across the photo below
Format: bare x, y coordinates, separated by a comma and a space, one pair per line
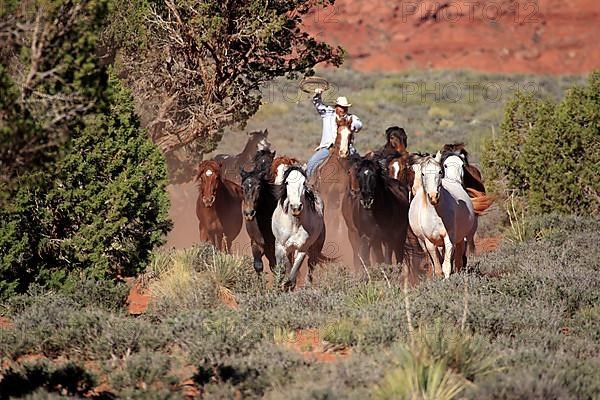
454, 167
344, 135
251, 185
396, 138
295, 192
432, 174
209, 178
263, 160
366, 175
257, 141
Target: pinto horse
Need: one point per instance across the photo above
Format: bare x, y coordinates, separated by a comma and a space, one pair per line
375, 208
472, 176
218, 207
258, 205
298, 226
257, 141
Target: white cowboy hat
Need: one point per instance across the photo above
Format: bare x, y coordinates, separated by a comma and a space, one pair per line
342, 101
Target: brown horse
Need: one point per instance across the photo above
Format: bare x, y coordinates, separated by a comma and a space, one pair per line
257, 141
218, 207
375, 208
331, 178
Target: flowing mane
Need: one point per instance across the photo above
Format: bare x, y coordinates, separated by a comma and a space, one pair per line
282, 160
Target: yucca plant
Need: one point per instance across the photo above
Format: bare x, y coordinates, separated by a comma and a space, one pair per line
467, 355
417, 377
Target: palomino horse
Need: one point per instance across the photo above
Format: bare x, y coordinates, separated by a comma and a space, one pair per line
375, 209
441, 214
298, 226
218, 206
231, 164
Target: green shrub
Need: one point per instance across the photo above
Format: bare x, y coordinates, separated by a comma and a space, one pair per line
99, 213
549, 152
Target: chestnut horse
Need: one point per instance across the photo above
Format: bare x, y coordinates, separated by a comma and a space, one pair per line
218, 207
331, 177
279, 166
257, 141
375, 208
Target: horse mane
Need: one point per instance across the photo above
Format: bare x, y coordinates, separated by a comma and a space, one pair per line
282, 160
281, 192
455, 149
472, 176
205, 165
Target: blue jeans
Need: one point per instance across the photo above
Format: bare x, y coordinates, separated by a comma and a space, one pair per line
316, 160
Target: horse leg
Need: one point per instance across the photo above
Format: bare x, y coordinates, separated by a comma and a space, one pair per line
282, 261
313, 254
448, 255
291, 282
435, 258
459, 256
257, 252
377, 250
364, 250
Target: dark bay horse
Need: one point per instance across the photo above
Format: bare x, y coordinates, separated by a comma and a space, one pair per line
218, 207
257, 141
375, 208
258, 205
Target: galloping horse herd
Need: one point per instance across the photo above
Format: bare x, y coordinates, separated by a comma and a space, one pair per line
389, 200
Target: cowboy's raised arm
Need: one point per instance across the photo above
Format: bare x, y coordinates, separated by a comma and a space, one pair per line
318, 103
356, 124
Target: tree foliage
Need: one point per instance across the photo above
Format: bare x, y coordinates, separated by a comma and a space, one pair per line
83, 187
550, 152
197, 66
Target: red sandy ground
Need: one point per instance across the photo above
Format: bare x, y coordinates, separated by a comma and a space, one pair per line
529, 36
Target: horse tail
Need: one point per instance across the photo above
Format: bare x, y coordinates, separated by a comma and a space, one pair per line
481, 201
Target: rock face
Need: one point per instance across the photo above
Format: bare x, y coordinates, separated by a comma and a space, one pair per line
529, 36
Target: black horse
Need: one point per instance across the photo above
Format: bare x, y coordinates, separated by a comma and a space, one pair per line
375, 208
258, 205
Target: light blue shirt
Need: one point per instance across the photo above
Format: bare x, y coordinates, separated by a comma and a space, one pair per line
327, 113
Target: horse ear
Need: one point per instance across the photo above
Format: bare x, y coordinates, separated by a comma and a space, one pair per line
266, 132
438, 157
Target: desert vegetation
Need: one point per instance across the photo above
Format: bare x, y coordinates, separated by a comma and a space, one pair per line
86, 130
521, 323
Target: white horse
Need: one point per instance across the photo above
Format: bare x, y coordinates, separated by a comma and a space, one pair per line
441, 213
298, 226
